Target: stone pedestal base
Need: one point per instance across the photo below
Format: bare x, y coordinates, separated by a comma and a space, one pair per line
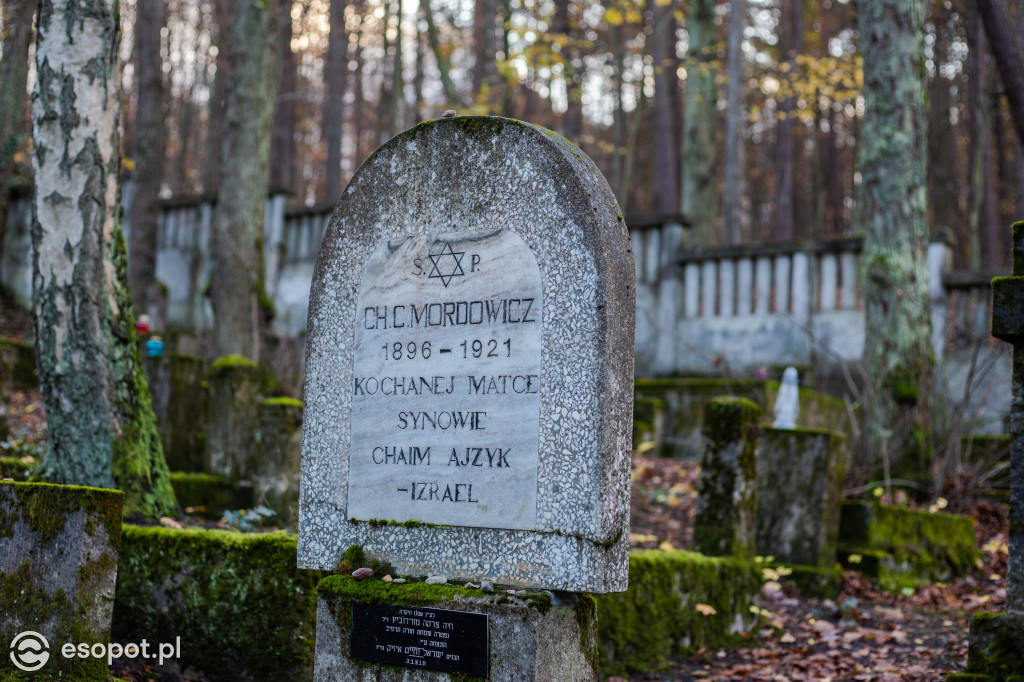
538, 637
994, 649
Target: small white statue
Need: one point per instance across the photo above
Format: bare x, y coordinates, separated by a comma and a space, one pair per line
787, 404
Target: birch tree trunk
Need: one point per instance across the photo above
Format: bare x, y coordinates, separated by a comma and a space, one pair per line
101, 428
700, 121
892, 213
253, 69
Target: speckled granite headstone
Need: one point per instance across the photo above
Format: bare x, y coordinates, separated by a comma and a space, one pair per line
469, 363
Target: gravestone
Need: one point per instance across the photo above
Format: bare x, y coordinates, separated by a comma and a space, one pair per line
1008, 325
468, 396
996, 639
726, 520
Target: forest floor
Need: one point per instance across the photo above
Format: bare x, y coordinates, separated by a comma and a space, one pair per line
862, 633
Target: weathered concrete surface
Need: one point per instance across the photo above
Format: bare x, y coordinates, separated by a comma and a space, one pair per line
800, 494
526, 643
468, 176
58, 568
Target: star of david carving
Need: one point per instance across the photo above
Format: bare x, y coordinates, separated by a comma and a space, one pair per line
447, 264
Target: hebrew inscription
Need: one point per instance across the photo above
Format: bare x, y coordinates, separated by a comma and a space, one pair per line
446, 382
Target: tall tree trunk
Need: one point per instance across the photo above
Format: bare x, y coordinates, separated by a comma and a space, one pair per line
700, 123
419, 75
443, 63
484, 14
1007, 50
666, 160
237, 287
384, 101
562, 24
619, 121
977, 106
358, 106
336, 75
735, 117
215, 120
892, 213
282, 150
791, 37
100, 422
150, 135
17, 34
943, 207
397, 77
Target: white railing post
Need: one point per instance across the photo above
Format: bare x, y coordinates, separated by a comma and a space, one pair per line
782, 284
848, 272
802, 288
726, 287
709, 273
744, 286
691, 290
273, 234
763, 281
829, 281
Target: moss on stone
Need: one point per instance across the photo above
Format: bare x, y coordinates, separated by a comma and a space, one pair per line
232, 361
918, 546
994, 647
24, 603
348, 588
355, 556
46, 507
282, 401
539, 600
656, 618
236, 599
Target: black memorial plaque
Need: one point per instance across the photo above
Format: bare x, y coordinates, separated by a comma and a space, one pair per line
421, 637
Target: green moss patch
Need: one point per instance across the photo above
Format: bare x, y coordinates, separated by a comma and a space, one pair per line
658, 617
917, 546
241, 607
231, 361
994, 649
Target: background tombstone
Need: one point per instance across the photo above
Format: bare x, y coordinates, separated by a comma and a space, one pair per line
468, 397
726, 519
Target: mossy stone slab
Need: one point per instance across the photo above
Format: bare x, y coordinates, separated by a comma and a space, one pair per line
58, 567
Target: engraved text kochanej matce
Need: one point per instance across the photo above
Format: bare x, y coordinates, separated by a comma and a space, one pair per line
446, 382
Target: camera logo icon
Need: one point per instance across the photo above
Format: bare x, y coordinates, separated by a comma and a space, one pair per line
29, 651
